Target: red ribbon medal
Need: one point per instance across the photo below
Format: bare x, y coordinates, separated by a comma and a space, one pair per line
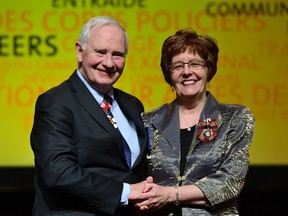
207, 131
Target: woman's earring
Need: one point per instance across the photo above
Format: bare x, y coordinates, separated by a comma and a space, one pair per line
208, 85
172, 88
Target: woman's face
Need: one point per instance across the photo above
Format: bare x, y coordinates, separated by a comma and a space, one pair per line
188, 75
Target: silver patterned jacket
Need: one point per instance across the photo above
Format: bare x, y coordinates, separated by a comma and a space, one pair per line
217, 166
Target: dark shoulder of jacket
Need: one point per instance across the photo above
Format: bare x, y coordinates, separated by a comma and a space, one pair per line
129, 98
58, 89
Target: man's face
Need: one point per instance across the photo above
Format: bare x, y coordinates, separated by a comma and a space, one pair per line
103, 59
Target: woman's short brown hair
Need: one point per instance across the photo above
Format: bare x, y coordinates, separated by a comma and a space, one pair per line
203, 45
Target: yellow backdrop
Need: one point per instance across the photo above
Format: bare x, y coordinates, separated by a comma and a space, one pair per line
37, 52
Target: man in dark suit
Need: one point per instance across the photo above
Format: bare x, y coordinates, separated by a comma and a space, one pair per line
80, 163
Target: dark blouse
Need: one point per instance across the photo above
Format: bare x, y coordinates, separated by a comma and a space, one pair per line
185, 140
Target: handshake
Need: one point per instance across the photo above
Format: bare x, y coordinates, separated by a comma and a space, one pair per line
148, 196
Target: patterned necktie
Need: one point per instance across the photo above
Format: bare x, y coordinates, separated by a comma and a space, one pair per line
106, 105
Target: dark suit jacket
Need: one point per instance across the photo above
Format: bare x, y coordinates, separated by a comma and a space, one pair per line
79, 159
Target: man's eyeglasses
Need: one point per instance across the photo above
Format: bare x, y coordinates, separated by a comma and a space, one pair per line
193, 65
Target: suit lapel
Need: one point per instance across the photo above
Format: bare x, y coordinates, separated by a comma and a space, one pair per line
168, 123
88, 102
131, 111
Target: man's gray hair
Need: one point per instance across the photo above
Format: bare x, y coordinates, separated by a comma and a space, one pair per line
99, 22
